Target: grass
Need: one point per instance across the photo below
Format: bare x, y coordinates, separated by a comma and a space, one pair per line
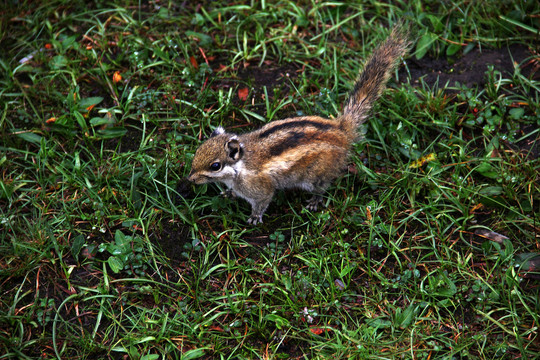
107, 252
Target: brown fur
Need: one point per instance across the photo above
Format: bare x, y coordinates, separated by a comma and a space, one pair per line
304, 152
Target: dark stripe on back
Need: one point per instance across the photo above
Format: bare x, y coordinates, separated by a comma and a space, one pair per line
292, 140
294, 124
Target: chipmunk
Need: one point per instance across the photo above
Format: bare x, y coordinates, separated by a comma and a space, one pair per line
306, 152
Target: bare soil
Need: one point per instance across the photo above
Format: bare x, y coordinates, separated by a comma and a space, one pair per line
470, 69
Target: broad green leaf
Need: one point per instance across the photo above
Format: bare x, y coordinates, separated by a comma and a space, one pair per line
97, 121
487, 170
80, 120
145, 339
164, 12
77, 245
379, 323
491, 191
278, 320
150, 357
403, 318
58, 62
30, 137
435, 22
347, 269
203, 38
115, 264
516, 113
452, 49
193, 354
423, 45
111, 132
119, 237
87, 102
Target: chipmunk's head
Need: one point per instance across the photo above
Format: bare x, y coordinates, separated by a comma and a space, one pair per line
216, 158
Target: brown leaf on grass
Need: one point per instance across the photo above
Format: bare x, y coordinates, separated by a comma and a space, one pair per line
318, 330
243, 93
194, 62
491, 235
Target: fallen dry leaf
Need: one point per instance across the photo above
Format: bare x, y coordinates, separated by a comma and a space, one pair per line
243, 93
317, 330
194, 62
491, 235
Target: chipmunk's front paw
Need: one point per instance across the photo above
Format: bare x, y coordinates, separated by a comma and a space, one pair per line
228, 194
255, 219
313, 203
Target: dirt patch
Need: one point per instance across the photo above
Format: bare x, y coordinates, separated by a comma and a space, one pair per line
172, 239
470, 69
270, 77
255, 77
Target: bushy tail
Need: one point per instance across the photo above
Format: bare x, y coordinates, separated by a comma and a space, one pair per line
373, 79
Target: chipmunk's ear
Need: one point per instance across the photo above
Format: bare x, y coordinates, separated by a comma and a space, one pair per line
217, 131
234, 149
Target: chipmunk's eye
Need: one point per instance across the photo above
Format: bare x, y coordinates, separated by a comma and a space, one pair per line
215, 166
